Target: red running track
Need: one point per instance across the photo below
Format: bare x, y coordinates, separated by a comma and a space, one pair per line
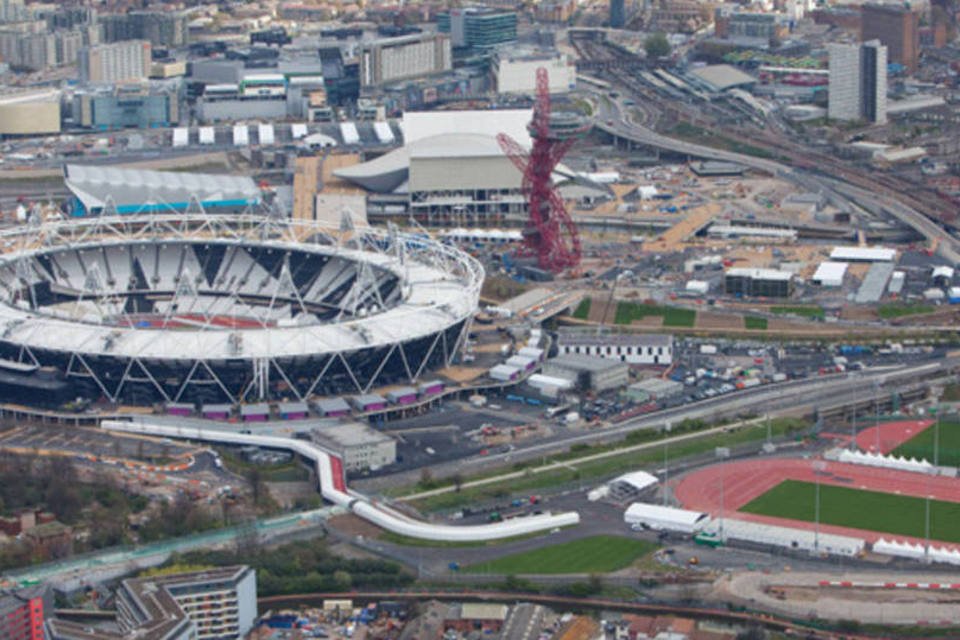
891, 435
745, 480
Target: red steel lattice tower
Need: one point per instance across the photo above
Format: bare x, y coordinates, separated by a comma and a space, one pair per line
549, 233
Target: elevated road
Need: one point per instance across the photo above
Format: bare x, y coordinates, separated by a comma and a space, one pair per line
612, 120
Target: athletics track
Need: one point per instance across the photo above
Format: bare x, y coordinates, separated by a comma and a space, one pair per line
891, 435
745, 480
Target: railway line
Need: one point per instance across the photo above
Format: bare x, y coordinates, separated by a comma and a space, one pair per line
927, 212
729, 615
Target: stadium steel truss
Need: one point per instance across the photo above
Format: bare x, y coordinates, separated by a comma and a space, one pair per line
228, 308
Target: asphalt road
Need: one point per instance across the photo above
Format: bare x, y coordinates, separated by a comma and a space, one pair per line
610, 111
805, 394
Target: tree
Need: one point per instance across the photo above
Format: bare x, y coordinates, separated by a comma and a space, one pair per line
457, 481
656, 45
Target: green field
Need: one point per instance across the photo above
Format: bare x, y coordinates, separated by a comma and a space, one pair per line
582, 311
753, 322
599, 554
870, 510
921, 445
899, 309
627, 312
805, 312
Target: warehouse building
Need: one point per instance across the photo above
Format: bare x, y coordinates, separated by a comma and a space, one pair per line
359, 446
633, 348
103, 190
654, 389
754, 283
30, 113
588, 373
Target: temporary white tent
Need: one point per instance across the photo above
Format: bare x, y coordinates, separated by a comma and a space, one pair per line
787, 538
664, 518
887, 462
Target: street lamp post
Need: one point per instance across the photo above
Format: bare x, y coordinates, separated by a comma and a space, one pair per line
818, 467
722, 453
666, 462
876, 410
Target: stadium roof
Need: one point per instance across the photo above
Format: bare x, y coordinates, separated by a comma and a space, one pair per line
417, 125
720, 77
389, 172
137, 190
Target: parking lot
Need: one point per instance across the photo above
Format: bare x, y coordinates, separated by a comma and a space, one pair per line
89, 442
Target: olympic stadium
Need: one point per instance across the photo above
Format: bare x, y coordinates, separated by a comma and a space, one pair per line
140, 309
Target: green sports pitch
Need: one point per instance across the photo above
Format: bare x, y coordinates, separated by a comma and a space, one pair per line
859, 509
921, 445
598, 554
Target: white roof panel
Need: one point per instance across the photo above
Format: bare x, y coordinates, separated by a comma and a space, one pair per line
384, 132
207, 135
417, 125
181, 137
654, 512
863, 254
241, 135
349, 133
265, 133
298, 130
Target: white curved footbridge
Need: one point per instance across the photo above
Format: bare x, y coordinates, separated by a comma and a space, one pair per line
333, 487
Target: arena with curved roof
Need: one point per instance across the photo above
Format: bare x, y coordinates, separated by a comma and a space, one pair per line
211, 308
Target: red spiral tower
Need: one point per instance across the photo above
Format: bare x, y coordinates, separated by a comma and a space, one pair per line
549, 233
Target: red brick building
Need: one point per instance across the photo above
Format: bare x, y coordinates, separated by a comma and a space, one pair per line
21, 614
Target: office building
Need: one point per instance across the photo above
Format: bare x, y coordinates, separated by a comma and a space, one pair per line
215, 604
655, 349
516, 71
131, 106
21, 613
858, 82
13, 11
115, 62
412, 56
359, 446
30, 47
897, 28
478, 27
750, 283
744, 26
617, 14
162, 29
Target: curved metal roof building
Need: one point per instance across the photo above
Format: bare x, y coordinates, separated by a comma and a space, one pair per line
104, 190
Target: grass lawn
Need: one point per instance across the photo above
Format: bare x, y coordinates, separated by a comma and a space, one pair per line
899, 309
627, 312
806, 312
583, 472
599, 554
921, 445
753, 322
870, 510
582, 311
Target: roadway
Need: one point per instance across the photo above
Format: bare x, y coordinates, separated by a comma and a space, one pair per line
612, 119
781, 398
